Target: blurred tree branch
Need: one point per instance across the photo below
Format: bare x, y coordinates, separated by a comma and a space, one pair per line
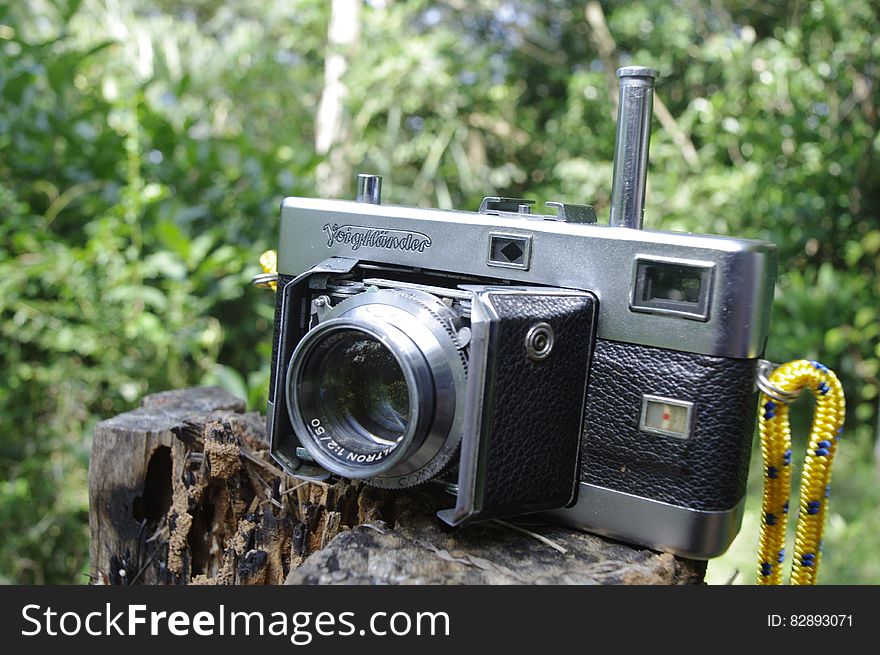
604, 43
333, 126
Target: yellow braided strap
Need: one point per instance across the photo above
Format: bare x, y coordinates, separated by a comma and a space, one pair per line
816, 477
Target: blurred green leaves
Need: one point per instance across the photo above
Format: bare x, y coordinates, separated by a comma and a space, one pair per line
145, 148
126, 245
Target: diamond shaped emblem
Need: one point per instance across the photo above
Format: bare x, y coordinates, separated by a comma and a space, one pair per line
512, 251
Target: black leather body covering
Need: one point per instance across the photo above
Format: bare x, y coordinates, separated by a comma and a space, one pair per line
532, 415
708, 471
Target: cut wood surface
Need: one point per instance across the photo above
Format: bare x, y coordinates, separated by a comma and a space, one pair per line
183, 491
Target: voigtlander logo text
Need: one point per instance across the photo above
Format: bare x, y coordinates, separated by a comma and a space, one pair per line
358, 236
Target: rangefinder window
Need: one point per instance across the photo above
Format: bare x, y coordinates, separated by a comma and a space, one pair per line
678, 288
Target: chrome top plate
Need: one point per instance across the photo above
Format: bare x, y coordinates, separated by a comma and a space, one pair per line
596, 258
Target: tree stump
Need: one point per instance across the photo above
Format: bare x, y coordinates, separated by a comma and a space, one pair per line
183, 491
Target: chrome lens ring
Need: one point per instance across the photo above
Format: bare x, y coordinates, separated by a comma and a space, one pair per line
419, 331
327, 425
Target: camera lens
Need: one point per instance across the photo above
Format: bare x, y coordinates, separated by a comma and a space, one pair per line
375, 390
362, 391
358, 393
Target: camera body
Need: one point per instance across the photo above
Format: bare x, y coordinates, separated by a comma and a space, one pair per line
602, 374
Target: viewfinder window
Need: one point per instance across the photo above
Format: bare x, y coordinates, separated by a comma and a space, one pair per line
678, 288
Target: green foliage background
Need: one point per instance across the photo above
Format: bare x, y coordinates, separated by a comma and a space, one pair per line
145, 147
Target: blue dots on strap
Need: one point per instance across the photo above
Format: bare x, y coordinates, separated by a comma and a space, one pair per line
813, 507
766, 568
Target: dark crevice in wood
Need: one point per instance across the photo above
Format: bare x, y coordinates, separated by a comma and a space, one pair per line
156, 499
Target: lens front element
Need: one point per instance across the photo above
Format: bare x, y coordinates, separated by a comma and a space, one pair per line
361, 390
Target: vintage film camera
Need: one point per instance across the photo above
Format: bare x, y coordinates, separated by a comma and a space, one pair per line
600, 373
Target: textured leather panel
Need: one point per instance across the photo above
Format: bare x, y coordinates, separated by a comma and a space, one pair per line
531, 409
283, 281
707, 471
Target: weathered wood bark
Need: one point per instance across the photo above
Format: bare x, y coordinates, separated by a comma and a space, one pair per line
183, 491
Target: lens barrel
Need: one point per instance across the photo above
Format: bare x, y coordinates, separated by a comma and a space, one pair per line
375, 391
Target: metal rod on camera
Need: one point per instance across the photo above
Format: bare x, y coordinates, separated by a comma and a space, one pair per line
369, 188
631, 148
